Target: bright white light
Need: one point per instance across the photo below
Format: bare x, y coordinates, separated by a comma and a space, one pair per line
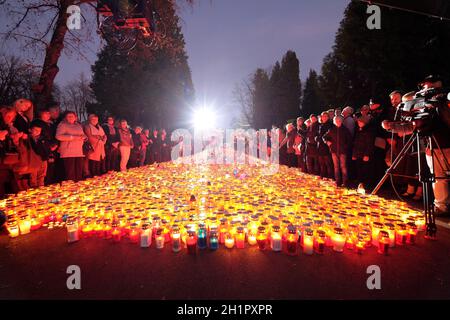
204, 119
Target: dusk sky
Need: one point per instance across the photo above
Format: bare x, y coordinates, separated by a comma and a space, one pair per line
226, 41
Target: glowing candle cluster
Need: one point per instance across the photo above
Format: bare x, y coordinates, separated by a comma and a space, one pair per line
190, 208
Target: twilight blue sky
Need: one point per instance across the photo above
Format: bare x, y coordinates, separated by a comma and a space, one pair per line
226, 40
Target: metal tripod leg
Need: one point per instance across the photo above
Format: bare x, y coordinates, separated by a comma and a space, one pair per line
426, 177
396, 162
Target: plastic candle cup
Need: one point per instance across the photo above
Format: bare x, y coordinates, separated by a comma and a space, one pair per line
176, 239
72, 231
25, 224
229, 241
159, 239
275, 239
191, 242
338, 240
213, 240
146, 237
412, 233
308, 242
251, 239
383, 242
13, 228
360, 245
240, 238
35, 223
292, 241
320, 241
201, 237
261, 238
401, 234
223, 230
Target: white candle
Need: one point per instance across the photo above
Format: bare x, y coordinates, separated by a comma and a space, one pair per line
146, 239
251, 240
275, 242
229, 243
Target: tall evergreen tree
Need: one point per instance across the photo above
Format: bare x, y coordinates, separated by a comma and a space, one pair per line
370, 63
149, 86
291, 86
311, 95
275, 94
261, 100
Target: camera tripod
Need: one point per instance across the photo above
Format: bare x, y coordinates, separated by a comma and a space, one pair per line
426, 177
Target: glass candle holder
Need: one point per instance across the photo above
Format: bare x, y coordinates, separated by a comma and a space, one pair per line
275, 239
292, 241
191, 242
360, 244
145, 237
376, 228
116, 231
223, 230
251, 239
308, 242
134, 233
176, 239
338, 240
213, 240
159, 239
72, 230
401, 234
412, 233
25, 224
320, 241
240, 238
261, 238
229, 241
383, 242
201, 237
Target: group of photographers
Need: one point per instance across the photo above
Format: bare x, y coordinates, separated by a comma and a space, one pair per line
432, 119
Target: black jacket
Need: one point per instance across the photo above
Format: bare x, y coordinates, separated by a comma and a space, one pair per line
364, 143
111, 138
340, 139
321, 146
21, 124
311, 139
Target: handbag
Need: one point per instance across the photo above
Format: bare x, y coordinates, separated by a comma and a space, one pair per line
87, 147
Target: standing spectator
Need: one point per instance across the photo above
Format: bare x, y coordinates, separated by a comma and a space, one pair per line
47, 133
155, 147
166, 146
144, 146
146, 133
42, 148
330, 114
135, 156
338, 139
312, 155
337, 112
112, 152
324, 155
125, 145
97, 138
365, 111
71, 137
349, 122
363, 150
55, 118
7, 149
24, 109
300, 144
289, 141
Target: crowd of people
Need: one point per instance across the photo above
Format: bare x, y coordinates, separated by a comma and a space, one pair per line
356, 148
353, 148
56, 146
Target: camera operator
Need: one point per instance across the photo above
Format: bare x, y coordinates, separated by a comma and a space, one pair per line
440, 126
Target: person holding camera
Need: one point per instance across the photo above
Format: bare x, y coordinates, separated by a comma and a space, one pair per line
439, 126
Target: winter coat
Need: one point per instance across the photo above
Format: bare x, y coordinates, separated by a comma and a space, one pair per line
364, 143
112, 137
321, 146
340, 139
311, 141
97, 137
126, 138
71, 138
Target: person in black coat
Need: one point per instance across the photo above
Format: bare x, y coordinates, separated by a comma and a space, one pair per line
325, 161
24, 109
338, 139
112, 153
48, 134
155, 147
301, 132
312, 154
363, 151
